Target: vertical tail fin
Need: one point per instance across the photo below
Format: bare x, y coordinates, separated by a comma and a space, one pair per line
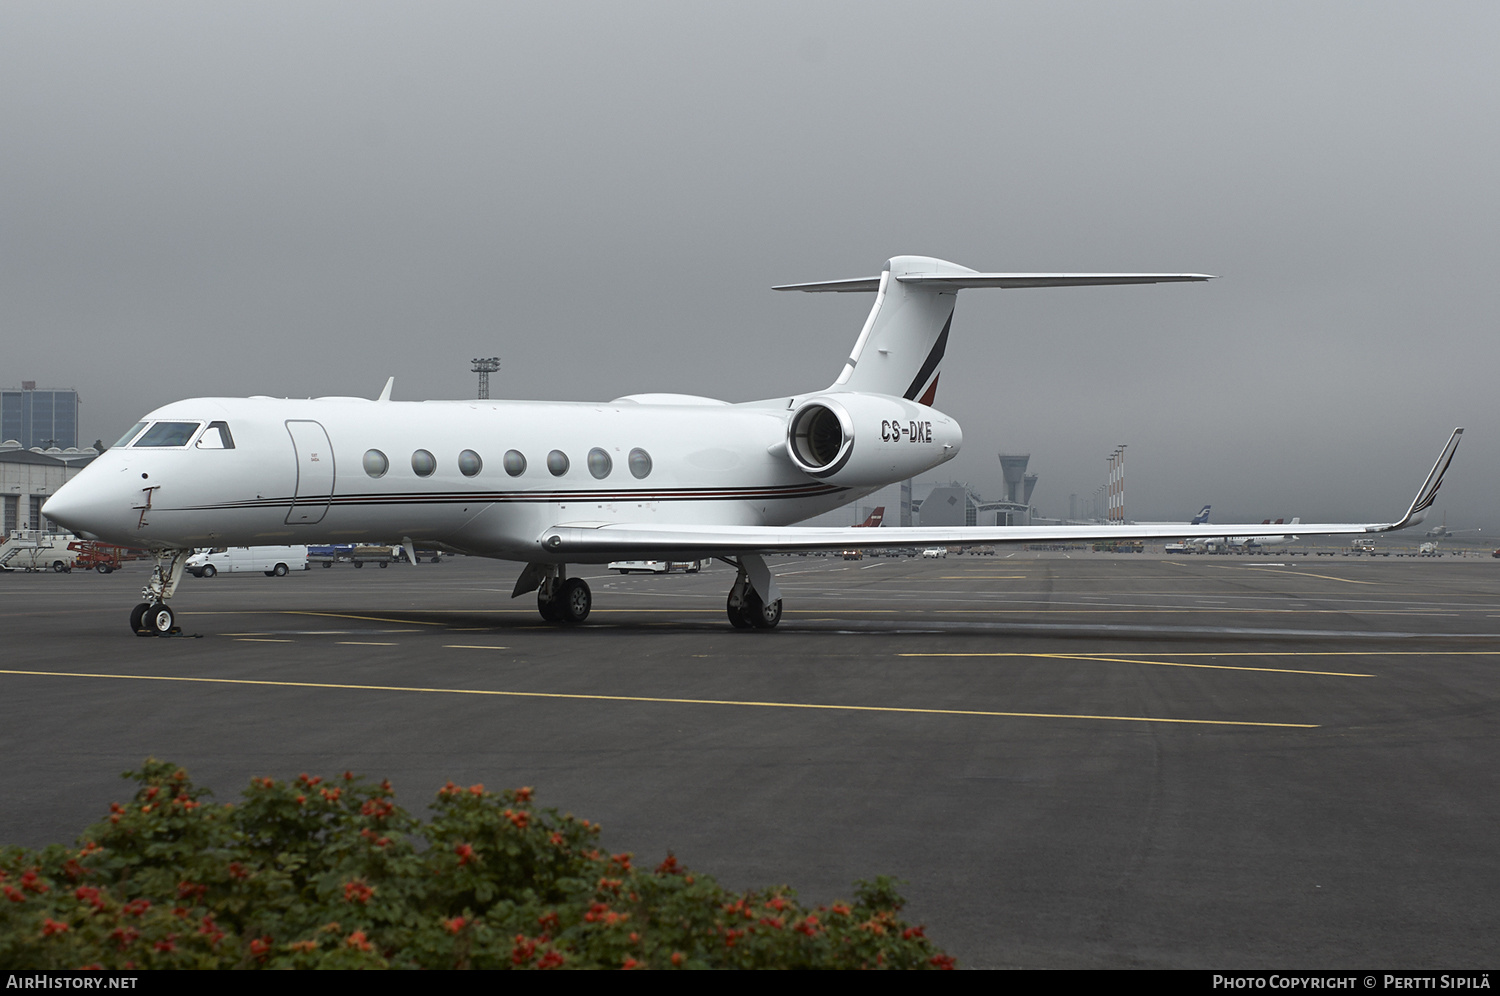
900, 349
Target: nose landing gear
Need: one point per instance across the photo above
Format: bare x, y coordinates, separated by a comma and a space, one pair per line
153, 617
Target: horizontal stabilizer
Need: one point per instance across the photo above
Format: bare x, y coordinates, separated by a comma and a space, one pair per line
947, 281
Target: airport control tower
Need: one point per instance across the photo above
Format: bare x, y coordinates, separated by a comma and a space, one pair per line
1018, 487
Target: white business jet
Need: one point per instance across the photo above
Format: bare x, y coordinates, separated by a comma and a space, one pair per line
644, 477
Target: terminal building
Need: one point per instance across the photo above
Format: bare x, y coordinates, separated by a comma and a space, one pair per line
39, 418
28, 477
947, 504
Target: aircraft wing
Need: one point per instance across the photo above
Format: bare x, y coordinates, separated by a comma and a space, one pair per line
624, 541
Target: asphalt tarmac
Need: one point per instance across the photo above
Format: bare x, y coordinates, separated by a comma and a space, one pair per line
1074, 761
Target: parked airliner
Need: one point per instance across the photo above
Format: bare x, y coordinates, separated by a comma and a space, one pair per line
643, 477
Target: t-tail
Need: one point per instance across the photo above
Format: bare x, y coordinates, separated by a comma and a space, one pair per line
900, 349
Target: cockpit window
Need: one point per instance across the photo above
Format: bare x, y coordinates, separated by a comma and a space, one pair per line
131, 434
168, 434
216, 437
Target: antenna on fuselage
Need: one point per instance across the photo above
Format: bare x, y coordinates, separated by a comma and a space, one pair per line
385, 392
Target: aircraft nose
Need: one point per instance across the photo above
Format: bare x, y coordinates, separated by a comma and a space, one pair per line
64, 508
80, 508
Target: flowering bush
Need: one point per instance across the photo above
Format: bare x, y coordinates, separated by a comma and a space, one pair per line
315, 873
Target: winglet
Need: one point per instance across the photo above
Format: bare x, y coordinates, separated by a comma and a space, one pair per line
385, 393
1428, 492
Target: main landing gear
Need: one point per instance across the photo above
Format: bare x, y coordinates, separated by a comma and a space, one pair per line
754, 600
564, 601
153, 617
746, 606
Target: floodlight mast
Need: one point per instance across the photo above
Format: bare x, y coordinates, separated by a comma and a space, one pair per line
484, 366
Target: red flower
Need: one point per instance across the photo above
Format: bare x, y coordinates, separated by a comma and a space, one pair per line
356, 891
261, 946
455, 925
358, 941
90, 895
523, 794
465, 853
51, 926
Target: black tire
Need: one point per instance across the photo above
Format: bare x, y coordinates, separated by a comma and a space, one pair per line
269, 573
575, 601
209, 570
737, 617
327, 563
548, 607
383, 565
57, 566
138, 614
761, 615
359, 563
158, 619
103, 568
280, 570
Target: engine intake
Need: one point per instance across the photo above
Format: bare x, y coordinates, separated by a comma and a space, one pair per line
864, 440
820, 438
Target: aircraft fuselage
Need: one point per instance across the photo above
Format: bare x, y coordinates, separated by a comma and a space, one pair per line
480, 477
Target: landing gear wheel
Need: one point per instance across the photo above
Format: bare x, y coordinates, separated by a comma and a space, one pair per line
209, 570
765, 616
737, 616
137, 614
575, 602
757, 614
158, 619
548, 607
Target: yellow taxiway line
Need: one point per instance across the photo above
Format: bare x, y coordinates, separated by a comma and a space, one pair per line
661, 700
1137, 660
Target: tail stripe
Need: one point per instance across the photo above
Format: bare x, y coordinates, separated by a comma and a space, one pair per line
931, 363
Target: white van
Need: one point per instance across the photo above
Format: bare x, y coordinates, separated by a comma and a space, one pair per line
272, 561
657, 566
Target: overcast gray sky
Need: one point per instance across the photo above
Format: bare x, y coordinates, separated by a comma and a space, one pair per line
304, 198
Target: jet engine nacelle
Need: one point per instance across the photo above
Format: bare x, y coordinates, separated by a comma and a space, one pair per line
865, 440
